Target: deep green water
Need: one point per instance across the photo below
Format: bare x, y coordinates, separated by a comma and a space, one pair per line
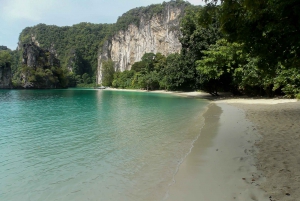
93, 144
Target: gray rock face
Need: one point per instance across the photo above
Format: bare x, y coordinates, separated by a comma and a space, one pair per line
30, 55
40, 64
5, 77
159, 34
34, 56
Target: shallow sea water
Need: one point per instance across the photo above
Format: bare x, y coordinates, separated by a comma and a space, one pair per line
93, 144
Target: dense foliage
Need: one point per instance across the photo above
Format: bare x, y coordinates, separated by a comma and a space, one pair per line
155, 71
44, 70
10, 58
76, 46
255, 51
267, 34
108, 72
5, 58
5, 67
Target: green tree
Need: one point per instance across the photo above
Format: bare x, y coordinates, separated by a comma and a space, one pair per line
138, 66
5, 58
86, 78
159, 62
108, 71
288, 80
175, 74
123, 79
219, 66
148, 60
149, 81
197, 36
268, 28
269, 31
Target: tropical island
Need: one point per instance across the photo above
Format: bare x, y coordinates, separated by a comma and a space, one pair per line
198, 48
245, 51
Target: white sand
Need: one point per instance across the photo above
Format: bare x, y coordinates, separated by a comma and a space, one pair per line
223, 98
256, 101
258, 157
196, 94
279, 149
221, 165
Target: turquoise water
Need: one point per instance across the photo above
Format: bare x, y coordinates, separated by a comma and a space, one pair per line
93, 144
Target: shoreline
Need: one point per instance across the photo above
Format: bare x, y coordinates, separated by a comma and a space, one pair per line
264, 160
221, 163
193, 94
260, 160
223, 98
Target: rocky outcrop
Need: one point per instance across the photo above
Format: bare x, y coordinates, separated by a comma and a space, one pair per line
5, 77
3, 47
34, 56
159, 34
40, 68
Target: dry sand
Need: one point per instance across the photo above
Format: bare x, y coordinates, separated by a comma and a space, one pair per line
193, 94
279, 148
247, 150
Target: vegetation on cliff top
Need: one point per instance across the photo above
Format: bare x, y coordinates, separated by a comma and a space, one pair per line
5, 58
9, 58
39, 69
78, 46
6, 61
134, 16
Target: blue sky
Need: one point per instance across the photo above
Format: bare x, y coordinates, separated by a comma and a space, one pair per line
15, 15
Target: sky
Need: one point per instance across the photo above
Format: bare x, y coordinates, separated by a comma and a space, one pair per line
15, 15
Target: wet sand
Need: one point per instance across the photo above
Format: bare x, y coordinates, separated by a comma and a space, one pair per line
247, 150
221, 164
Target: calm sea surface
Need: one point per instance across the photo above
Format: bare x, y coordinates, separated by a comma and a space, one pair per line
92, 144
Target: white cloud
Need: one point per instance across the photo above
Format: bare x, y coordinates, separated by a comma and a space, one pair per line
26, 9
15, 15
40, 10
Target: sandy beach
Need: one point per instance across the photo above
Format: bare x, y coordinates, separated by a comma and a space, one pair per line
249, 149
194, 94
278, 156
220, 165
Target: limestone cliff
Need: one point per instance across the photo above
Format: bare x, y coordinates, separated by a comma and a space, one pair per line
34, 56
40, 68
75, 46
160, 33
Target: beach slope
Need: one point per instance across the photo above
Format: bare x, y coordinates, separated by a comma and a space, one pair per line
247, 150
